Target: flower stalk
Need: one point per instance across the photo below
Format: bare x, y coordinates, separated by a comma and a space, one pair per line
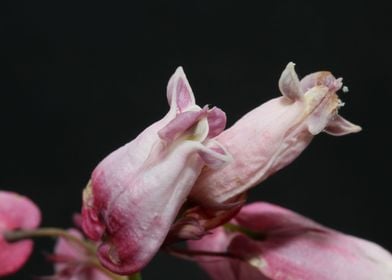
17, 235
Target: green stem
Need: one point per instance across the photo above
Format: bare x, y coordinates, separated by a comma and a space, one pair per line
13, 236
237, 228
136, 276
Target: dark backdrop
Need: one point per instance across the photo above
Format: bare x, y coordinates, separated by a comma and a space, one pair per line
80, 79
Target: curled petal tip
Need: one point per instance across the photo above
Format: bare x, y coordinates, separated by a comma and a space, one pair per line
179, 70
289, 84
215, 156
216, 121
179, 92
339, 126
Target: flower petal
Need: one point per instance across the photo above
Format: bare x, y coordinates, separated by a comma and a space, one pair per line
289, 84
216, 121
179, 92
339, 126
16, 212
292, 247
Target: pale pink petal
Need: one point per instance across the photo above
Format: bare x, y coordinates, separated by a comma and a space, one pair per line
214, 155
216, 267
289, 84
286, 245
315, 255
339, 126
180, 124
260, 146
267, 217
321, 78
216, 121
179, 92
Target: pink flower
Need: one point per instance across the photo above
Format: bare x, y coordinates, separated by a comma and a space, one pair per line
270, 242
16, 212
271, 136
136, 192
74, 262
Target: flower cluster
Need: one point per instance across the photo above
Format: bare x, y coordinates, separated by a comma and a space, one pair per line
186, 177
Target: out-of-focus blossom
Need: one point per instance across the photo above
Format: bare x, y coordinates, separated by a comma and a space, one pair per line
265, 241
75, 262
271, 136
136, 192
16, 212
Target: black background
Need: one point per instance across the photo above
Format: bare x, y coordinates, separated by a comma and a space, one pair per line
79, 79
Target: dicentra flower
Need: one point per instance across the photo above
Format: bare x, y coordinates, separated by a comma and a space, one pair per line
271, 136
136, 192
265, 241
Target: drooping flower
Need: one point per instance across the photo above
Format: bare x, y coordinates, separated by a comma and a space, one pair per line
265, 241
136, 192
74, 262
272, 135
16, 212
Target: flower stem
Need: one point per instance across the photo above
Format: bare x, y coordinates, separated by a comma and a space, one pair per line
13, 236
136, 276
237, 228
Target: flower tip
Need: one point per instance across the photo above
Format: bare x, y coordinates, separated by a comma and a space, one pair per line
289, 84
179, 70
290, 65
356, 129
179, 92
339, 126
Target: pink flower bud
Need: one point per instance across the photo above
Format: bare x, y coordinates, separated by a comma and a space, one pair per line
136, 192
271, 136
16, 212
277, 244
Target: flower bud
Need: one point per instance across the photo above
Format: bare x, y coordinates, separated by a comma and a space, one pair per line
136, 192
271, 136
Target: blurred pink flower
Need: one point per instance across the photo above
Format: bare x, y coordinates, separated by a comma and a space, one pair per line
270, 242
16, 212
271, 136
74, 262
136, 192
